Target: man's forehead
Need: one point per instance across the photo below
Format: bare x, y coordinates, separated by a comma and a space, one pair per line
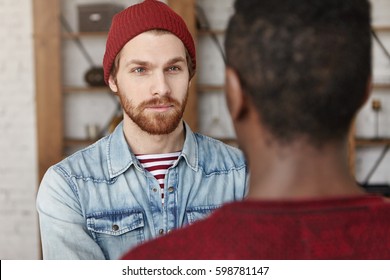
155, 37
153, 46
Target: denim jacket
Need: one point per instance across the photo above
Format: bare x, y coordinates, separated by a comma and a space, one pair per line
100, 202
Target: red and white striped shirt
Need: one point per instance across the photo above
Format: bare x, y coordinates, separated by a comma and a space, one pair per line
157, 165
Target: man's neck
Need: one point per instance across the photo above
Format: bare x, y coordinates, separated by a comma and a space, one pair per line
300, 172
142, 142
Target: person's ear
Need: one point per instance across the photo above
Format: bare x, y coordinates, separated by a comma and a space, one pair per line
236, 99
112, 84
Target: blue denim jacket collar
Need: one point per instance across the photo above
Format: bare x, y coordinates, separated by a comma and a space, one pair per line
120, 157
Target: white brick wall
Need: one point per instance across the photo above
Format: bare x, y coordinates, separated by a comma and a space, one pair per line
18, 157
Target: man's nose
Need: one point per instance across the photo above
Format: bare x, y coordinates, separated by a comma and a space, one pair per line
160, 85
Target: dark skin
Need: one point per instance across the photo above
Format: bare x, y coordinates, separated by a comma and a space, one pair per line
296, 170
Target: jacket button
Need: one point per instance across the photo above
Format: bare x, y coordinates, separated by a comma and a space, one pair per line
161, 231
155, 189
115, 227
171, 189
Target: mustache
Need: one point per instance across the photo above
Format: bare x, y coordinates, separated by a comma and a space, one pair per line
165, 100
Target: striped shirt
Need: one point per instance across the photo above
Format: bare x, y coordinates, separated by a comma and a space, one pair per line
157, 165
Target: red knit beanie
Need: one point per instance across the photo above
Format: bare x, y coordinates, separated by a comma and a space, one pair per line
136, 19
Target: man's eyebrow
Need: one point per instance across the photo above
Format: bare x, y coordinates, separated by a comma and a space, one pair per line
176, 59
136, 62
146, 63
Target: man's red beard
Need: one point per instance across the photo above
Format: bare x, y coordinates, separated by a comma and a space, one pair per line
155, 123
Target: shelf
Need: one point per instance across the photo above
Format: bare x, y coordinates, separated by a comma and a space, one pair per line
381, 28
367, 142
381, 86
206, 88
84, 34
76, 89
78, 142
204, 32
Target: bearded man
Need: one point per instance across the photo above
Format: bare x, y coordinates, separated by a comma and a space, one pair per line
152, 174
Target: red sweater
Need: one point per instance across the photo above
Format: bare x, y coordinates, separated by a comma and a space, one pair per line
344, 228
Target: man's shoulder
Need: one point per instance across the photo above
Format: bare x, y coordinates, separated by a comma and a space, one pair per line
213, 151
90, 161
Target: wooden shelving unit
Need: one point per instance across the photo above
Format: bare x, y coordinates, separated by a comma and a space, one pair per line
47, 49
372, 142
362, 143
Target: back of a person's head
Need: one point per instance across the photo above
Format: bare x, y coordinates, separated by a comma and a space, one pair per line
305, 64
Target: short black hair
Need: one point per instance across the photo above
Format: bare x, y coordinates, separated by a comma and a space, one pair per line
305, 64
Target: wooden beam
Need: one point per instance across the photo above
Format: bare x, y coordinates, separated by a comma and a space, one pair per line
186, 8
47, 48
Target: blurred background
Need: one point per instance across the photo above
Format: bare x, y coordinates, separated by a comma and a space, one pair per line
53, 102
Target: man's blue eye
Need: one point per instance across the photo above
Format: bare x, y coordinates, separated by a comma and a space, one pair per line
139, 70
174, 68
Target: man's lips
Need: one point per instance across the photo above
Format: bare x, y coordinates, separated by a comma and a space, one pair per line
159, 108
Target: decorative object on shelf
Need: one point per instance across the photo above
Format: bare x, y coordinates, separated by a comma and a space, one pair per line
97, 17
95, 75
376, 106
115, 120
92, 131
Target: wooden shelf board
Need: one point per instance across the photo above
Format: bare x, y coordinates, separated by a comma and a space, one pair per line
205, 88
76, 89
365, 142
379, 28
84, 34
381, 86
78, 142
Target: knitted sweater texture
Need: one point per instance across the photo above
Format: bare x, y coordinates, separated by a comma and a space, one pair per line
342, 228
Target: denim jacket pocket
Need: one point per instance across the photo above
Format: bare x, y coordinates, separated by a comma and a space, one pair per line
199, 212
111, 229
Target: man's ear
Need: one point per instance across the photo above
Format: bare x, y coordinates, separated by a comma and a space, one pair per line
112, 84
236, 99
